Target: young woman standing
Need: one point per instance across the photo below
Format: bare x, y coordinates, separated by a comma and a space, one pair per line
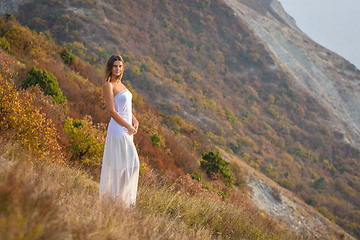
120, 167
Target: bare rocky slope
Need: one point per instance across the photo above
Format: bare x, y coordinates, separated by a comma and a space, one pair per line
329, 77
8, 6
283, 205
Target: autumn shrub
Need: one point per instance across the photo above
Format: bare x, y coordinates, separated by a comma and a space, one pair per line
182, 157
20, 120
87, 140
178, 125
324, 211
247, 141
159, 160
230, 115
25, 41
273, 112
47, 82
135, 71
77, 48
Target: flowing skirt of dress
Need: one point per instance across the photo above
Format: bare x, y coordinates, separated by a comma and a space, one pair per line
120, 169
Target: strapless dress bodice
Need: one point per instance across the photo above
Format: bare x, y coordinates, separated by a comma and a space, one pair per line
123, 106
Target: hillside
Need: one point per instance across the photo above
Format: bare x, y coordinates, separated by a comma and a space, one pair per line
50, 160
201, 73
326, 75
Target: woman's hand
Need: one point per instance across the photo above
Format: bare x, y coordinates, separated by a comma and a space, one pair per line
131, 130
136, 126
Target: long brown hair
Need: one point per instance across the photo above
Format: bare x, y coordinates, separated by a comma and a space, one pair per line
109, 66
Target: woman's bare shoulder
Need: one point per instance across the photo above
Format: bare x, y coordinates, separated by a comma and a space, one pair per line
107, 88
107, 85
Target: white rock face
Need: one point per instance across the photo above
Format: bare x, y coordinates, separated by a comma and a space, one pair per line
314, 68
278, 8
9, 6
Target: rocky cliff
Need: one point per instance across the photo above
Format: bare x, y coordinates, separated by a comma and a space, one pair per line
329, 77
8, 6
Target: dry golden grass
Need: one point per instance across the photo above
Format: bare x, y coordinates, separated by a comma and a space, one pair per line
42, 201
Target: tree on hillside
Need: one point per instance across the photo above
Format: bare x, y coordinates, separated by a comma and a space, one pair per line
214, 163
47, 82
4, 44
68, 57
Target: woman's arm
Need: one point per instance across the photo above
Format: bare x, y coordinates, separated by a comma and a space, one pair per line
110, 107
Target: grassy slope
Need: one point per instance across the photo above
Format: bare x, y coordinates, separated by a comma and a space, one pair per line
40, 201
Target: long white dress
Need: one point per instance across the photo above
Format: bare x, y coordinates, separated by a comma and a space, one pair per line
120, 166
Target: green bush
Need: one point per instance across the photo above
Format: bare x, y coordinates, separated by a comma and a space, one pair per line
222, 194
156, 140
9, 17
273, 112
319, 184
197, 176
214, 163
291, 93
5, 44
135, 71
47, 82
325, 212
178, 78
68, 57
230, 115
127, 58
286, 85
103, 54
143, 67
86, 140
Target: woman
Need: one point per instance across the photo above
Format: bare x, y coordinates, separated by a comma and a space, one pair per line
120, 167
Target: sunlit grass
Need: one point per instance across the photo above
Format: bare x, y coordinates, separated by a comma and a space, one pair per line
42, 201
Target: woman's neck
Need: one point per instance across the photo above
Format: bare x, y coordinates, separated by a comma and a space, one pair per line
114, 79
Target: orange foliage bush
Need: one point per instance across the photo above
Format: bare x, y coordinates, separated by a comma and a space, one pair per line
22, 121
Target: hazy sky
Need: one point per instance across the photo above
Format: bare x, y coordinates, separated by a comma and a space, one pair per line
335, 24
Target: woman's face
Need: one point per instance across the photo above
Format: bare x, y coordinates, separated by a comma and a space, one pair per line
117, 68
